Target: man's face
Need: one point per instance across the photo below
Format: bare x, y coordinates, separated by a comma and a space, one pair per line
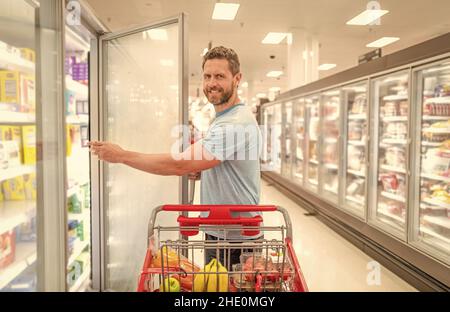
218, 81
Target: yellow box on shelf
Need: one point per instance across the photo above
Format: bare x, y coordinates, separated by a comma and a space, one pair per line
29, 144
28, 54
14, 189
30, 186
69, 135
9, 87
27, 93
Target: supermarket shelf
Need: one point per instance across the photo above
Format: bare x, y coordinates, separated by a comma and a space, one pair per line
357, 143
313, 182
395, 118
393, 169
331, 166
441, 221
77, 250
435, 177
430, 117
16, 118
332, 118
13, 62
355, 200
14, 213
394, 197
430, 207
436, 130
395, 97
391, 215
330, 189
357, 173
6, 174
438, 100
25, 256
79, 88
312, 161
77, 119
394, 141
81, 281
357, 117
85, 215
436, 203
433, 144
434, 234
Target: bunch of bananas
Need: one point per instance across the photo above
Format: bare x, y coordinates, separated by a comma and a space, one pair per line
211, 282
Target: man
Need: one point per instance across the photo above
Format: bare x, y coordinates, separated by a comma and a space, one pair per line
228, 156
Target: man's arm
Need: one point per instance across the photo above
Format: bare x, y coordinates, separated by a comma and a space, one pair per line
195, 158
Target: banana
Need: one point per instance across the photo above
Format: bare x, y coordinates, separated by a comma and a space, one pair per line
218, 282
201, 279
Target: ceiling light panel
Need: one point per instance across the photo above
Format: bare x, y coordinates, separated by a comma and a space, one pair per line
367, 17
274, 38
274, 73
382, 42
225, 11
327, 66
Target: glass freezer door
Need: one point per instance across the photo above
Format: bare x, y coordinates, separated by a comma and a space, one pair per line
432, 202
389, 186
287, 141
312, 142
276, 138
143, 83
331, 103
299, 137
356, 127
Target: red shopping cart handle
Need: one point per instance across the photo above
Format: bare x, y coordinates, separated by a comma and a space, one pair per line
219, 215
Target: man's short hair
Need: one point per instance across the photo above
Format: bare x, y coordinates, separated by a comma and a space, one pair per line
224, 53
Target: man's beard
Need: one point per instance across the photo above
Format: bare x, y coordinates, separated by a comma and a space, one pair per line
224, 99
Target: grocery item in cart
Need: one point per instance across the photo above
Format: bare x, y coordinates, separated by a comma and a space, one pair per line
213, 279
170, 260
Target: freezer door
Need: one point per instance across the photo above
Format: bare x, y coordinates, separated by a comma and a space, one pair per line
143, 98
312, 142
299, 141
431, 216
287, 141
388, 208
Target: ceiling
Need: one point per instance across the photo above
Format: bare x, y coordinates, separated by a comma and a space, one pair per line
414, 21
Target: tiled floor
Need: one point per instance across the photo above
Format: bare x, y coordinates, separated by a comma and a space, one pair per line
328, 261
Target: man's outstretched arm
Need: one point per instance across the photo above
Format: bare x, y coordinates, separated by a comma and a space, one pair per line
195, 158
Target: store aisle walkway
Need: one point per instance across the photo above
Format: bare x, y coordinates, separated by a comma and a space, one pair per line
328, 261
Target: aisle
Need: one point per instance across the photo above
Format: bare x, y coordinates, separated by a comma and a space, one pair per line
329, 262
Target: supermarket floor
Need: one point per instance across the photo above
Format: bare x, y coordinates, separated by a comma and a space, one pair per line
328, 261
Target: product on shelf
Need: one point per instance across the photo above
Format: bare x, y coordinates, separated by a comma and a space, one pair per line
27, 94
395, 130
359, 105
28, 54
30, 186
9, 154
29, 144
7, 248
314, 128
437, 161
355, 158
393, 207
10, 89
356, 187
14, 189
330, 153
355, 131
442, 90
436, 132
393, 183
395, 156
74, 204
26, 232
71, 102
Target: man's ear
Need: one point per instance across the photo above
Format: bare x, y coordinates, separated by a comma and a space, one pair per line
238, 78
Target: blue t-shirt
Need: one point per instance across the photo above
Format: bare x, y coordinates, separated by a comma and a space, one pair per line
234, 138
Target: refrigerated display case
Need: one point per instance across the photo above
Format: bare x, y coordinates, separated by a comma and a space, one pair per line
355, 148
18, 189
393, 158
273, 133
432, 209
330, 150
299, 136
286, 143
76, 96
390, 95
312, 141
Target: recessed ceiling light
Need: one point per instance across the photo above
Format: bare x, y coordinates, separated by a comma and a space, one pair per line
382, 42
261, 95
274, 73
327, 66
367, 17
274, 89
157, 34
225, 11
274, 38
166, 62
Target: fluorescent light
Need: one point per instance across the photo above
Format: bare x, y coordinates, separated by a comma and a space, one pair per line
205, 50
274, 38
166, 62
225, 11
274, 73
261, 95
274, 89
157, 34
327, 66
367, 17
382, 42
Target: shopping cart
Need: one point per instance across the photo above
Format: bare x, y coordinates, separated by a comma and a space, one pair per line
267, 264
